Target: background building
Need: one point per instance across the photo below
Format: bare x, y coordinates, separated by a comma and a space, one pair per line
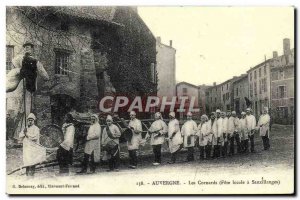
240, 92
282, 85
259, 87
184, 89
213, 98
166, 69
88, 52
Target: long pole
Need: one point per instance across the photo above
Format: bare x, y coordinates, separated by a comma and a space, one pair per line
24, 99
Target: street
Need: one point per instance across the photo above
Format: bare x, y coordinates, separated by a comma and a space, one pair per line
281, 155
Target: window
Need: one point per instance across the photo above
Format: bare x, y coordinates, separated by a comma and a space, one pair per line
9, 56
250, 76
281, 91
215, 99
260, 86
274, 76
283, 112
264, 85
255, 88
259, 72
184, 90
251, 90
237, 91
281, 75
224, 97
62, 62
265, 70
254, 75
227, 86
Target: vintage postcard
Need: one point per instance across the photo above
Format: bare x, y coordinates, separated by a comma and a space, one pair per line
112, 100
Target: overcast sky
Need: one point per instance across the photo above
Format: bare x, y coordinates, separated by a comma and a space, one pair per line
217, 43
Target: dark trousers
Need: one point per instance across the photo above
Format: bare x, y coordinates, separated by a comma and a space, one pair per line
30, 170
216, 152
202, 150
224, 149
114, 160
238, 142
251, 142
208, 151
86, 162
173, 156
266, 141
133, 157
246, 146
190, 154
64, 158
231, 148
157, 153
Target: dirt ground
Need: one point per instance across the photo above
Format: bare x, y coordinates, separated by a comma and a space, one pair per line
280, 155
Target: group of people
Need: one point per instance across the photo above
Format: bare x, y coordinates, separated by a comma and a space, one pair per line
215, 136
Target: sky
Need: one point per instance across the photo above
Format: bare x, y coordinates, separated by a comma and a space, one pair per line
213, 44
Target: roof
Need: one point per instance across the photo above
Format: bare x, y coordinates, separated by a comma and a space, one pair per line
186, 83
259, 65
92, 13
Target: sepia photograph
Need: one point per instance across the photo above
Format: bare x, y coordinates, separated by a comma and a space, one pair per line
150, 100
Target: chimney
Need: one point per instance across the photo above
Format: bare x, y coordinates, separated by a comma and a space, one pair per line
286, 46
158, 39
214, 84
171, 43
275, 54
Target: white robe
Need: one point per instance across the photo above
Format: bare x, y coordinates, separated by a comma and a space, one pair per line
250, 124
213, 129
136, 137
115, 131
33, 153
93, 141
264, 125
243, 129
204, 134
231, 126
225, 130
69, 132
189, 129
161, 126
220, 130
176, 141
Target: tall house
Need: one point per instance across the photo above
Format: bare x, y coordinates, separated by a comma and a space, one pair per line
240, 93
213, 98
166, 69
259, 87
202, 98
282, 85
190, 92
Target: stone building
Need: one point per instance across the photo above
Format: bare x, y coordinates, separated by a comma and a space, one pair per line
202, 98
259, 87
190, 92
213, 98
240, 92
88, 52
283, 85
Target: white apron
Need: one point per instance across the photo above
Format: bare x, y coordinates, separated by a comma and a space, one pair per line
176, 141
189, 129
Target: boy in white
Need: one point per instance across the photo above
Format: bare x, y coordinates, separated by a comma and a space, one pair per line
250, 124
188, 131
264, 128
174, 137
204, 135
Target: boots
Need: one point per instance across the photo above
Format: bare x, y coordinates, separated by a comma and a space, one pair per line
85, 163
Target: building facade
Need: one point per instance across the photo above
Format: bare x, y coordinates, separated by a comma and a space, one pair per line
240, 93
283, 85
88, 52
213, 99
166, 69
259, 87
190, 92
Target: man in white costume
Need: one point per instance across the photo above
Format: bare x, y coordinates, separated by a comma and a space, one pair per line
92, 146
232, 128
111, 134
205, 138
243, 133
264, 128
30, 135
64, 153
188, 131
250, 124
212, 124
174, 137
220, 137
133, 145
157, 130
224, 143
